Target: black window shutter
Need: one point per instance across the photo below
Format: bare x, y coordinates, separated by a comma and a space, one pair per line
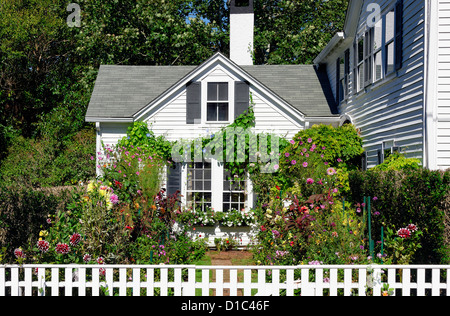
399, 35
338, 80
174, 179
241, 97
193, 102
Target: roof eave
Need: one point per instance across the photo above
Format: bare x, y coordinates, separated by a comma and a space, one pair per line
334, 42
99, 119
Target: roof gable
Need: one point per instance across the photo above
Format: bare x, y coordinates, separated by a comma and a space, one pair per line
129, 93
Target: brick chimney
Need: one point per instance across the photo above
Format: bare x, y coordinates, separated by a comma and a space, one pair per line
241, 31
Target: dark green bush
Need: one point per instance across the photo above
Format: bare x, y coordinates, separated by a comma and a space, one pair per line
410, 196
23, 211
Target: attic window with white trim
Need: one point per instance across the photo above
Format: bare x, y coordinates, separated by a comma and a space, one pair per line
217, 104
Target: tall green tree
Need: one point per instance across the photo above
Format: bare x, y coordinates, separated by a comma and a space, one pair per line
295, 31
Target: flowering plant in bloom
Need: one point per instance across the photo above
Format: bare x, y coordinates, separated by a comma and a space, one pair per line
401, 245
43, 246
75, 239
63, 249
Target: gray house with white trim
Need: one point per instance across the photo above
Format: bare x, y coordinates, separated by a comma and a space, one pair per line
389, 70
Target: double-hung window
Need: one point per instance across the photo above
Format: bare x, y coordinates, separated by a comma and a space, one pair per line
378, 51
389, 41
217, 108
199, 185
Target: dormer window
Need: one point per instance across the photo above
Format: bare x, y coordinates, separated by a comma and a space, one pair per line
217, 102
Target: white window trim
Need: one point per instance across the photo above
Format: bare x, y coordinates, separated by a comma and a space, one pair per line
204, 84
217, 179
385, 76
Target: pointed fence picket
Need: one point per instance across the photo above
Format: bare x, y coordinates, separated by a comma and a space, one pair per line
190, 280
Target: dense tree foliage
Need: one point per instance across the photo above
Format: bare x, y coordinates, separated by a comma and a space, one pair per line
48, 69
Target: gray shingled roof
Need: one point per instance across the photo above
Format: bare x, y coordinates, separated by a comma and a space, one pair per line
121, 91
302, 86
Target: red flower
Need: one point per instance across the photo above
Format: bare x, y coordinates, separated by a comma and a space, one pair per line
263, 229
278, 188
404, 233
75, 239
412, 227
43, 245
62, 248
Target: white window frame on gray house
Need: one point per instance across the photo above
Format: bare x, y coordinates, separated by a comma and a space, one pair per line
195, 182
376, 56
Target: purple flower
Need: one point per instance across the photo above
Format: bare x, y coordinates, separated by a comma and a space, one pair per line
310, 181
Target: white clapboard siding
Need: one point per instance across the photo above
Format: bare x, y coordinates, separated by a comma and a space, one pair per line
443, 80
391, 109
170, 118
191, 280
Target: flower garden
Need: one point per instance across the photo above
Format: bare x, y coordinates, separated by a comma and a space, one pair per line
317, 208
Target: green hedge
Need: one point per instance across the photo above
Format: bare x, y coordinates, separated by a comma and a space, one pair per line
23, 212
404, 197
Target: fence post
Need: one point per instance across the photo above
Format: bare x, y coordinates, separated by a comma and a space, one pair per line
377, 282
307, 288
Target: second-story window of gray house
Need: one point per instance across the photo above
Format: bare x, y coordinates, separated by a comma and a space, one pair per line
378, 50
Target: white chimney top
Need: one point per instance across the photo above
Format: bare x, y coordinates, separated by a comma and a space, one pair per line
241, 31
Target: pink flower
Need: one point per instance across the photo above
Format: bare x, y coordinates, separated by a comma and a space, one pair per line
293, 162
310, 140
331, 171
114, 199
292, 141
309, 181
276, 167
43, 245
62, 248
286, 155
305, 164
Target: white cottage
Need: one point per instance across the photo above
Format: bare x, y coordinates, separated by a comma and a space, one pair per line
187, 102
390, 74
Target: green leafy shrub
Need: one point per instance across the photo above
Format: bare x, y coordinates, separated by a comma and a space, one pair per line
405, 197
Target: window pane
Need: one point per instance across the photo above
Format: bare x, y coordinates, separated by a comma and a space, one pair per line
211, 112
360, 50
198, 185
377, 41
390, 58
207, 185
378, 66
212, 91
223, 91
368, 69
361, 76
390, 25
223, 111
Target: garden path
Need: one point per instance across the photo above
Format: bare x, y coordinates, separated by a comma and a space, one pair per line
229, 258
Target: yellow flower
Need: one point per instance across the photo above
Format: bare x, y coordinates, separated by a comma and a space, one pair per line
91, 186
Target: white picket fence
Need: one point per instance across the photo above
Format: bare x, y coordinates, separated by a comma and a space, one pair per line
190, 280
